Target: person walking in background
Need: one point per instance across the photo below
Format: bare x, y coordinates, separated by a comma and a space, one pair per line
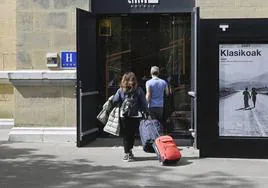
246, 97
155, 89
253, 95
133, 102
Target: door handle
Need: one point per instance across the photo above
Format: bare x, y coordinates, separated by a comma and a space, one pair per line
192, 94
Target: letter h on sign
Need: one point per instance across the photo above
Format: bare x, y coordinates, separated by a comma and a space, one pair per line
68, 59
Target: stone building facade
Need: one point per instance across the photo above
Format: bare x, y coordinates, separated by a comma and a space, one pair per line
41, 99
45, 97
232, 8
7, 57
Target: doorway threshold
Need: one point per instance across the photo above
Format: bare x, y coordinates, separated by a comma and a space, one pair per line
118, 142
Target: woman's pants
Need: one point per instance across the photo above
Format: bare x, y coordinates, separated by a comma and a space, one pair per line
129, 128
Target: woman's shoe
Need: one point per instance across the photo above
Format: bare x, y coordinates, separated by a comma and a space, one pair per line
126, 157
131, 155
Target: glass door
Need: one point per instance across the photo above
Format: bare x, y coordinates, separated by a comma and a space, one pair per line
175, 62
114, 52
137, 42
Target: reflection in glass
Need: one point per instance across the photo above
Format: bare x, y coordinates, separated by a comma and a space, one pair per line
138, 42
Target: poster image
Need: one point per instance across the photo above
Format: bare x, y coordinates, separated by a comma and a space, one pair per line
243, 90
105, 27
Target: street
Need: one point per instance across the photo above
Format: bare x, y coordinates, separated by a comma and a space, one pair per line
236, 121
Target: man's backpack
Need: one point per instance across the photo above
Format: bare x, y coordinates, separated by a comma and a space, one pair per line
129, 107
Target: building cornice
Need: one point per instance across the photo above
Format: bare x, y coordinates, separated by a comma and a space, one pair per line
38, 77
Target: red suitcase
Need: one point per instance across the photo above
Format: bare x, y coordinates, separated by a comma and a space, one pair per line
166, 150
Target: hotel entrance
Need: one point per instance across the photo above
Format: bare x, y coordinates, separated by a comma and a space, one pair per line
119, 36
137, 42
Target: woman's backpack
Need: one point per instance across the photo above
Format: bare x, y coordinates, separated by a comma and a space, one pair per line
129, 107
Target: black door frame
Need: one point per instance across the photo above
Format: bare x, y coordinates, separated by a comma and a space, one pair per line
87, 91
104, 7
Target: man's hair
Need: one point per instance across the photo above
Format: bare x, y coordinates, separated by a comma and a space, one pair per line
155, 70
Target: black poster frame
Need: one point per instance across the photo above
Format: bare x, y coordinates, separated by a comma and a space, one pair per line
239, 31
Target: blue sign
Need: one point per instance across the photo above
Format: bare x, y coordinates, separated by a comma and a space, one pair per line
68, 59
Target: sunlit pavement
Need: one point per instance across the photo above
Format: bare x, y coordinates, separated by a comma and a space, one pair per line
54, 165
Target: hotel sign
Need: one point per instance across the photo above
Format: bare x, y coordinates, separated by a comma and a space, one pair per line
143, 3
68, 59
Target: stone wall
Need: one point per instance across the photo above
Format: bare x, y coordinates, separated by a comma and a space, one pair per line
7, 54
45, 26
49, 106
233, 8
7, 35
6, 101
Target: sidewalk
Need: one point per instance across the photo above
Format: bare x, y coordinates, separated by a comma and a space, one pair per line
48, 165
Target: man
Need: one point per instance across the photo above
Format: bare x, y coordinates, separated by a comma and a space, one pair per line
246, 97
155, 89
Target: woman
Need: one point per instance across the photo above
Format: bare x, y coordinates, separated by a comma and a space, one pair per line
129, 124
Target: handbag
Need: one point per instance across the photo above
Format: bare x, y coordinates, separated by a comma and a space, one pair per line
106, 109
102, 116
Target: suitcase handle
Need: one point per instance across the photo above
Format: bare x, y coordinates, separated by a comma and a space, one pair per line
166, 140
154, 128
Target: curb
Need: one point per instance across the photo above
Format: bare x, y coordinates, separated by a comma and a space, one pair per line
42, 134
6, 123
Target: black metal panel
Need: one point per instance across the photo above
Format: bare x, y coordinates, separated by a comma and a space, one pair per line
239, 31
122, 6
86, 49
195, 19
87, 74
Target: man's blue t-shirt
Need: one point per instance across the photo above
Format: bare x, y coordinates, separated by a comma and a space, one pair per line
157, 87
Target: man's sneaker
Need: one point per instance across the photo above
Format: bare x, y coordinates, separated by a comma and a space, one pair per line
126, 157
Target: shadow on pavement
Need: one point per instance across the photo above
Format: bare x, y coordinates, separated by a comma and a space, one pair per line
239, 109
117, 141
11, 153
22, 168
138, 159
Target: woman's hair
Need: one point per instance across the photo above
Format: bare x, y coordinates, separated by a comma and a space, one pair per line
128, 82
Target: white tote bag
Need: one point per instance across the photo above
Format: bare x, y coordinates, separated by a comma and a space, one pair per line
113, 124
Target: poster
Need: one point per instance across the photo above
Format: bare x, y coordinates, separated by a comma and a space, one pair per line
243, 90
105, 27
